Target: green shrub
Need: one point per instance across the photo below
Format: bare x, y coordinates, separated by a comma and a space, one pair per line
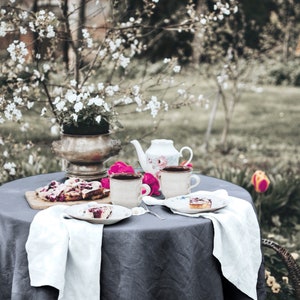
279, 73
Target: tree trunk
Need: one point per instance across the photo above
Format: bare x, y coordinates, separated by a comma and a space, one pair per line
211, 120
81, 23
65, 46
197, 43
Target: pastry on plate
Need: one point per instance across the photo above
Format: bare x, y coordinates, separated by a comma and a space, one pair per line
200, 202
98, 212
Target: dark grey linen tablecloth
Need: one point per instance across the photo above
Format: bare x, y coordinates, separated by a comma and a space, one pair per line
143, 257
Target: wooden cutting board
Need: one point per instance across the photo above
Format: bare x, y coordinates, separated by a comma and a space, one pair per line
37, 203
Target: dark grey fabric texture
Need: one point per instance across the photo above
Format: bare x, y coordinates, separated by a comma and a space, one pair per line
143, 257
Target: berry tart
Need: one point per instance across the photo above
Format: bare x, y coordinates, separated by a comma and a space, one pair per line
200, 203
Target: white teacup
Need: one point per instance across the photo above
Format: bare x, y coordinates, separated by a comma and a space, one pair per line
176, 181
126, 189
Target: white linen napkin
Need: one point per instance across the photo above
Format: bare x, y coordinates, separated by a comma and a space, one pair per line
237, 241
65, 254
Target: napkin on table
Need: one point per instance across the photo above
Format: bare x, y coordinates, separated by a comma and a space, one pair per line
65, 254
237, 241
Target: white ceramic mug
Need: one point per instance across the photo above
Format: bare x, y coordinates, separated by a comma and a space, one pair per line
177, 180
126, 189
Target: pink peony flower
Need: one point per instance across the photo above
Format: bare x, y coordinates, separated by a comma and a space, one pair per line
120, 167
105, 183
153, 182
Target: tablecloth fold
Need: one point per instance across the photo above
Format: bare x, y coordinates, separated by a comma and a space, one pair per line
237, 242
65, 254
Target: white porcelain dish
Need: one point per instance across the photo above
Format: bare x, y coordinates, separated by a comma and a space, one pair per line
118, 214
181, 203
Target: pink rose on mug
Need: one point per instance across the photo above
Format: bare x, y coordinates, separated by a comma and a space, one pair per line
153, 182
120, 167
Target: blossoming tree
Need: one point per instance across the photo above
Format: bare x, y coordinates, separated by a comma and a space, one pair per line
72, 71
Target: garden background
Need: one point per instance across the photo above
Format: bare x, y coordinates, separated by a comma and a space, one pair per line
245, 70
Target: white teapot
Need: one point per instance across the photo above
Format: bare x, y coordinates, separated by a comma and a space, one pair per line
160, 154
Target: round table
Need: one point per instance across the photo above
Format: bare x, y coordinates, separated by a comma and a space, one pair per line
143, 257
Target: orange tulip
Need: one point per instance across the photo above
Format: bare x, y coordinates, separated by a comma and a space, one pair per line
260, 181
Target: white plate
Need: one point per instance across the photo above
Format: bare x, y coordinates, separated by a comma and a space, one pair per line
118, 213
181, 203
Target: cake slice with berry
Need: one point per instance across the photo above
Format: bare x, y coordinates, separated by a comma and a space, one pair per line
99, 212
200, 203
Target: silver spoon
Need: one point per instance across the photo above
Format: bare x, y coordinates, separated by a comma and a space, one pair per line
151, 212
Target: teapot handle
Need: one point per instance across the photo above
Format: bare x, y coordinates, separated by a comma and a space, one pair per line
191, 154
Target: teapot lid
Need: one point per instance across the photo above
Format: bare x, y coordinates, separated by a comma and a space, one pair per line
161, 141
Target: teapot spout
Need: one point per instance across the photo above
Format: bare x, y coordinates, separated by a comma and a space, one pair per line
142, 157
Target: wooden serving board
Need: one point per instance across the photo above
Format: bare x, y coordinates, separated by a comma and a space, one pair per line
37, 203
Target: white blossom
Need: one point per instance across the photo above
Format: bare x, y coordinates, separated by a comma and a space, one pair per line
60, 105
24, 127
118, 42
124, 61
43, 111
55, 130
23, 30
100, 86
138, 101
11, 112
112, 46
30, 159
86, 35
78, 107
3, 29
203, 21
17, 51
70, 96
102, 53
96, 101
51, 32
37, 73
115, 88
109, 90
18, 100
23, 15
181, 91
10, 167
154, 106
46, 67
115, 56
166, 105
73, 82
127, 100
74, 117
98, 119
89, 42
135, 90
177, 69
